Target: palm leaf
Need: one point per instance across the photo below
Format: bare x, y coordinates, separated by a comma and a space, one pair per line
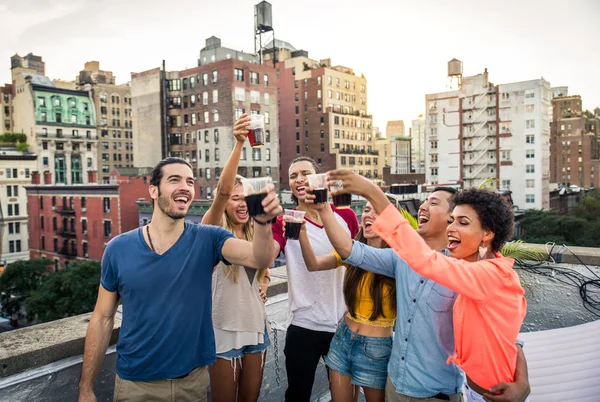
520, 252
411, 219
488, 184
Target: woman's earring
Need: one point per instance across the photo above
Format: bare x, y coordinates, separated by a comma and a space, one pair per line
482, 251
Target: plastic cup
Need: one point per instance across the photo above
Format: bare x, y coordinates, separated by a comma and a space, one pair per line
318, 182
256, 131
255, 194
342, 200
293, 223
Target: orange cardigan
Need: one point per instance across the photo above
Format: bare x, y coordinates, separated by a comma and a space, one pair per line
488, 311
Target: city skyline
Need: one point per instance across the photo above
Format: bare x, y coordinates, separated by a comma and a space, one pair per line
521, 41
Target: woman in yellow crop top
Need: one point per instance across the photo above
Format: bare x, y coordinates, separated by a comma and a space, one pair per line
360, 350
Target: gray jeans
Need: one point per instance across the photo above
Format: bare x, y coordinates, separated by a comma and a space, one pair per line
392, 396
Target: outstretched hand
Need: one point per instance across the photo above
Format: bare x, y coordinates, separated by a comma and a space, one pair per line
240, 128
309, 200
352, 182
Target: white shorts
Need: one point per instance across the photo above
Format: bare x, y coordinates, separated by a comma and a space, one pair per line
472, 396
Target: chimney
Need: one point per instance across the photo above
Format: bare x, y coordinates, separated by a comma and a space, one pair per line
92, 177
47, 177
35, 177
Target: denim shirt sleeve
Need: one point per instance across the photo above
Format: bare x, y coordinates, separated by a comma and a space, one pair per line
377, 260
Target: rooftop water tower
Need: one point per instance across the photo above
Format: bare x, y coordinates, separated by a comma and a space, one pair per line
263, 29
455, 72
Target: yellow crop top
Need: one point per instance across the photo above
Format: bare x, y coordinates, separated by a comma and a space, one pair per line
364, 303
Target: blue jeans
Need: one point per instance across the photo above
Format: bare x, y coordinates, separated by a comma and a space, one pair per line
239, 353
362, 358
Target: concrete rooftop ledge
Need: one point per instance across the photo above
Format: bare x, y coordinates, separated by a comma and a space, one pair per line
35, 346
564, 254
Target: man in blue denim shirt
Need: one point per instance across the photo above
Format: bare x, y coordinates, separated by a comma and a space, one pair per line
424, 337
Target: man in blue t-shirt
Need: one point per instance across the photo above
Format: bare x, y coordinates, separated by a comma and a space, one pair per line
162, 274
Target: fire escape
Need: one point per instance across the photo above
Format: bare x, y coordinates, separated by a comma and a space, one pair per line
478, 133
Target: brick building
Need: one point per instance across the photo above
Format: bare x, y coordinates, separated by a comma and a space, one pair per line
190, 114
6, 109
76, 222
323, 114
574, 148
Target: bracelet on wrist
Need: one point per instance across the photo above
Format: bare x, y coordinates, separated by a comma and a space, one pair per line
269, 222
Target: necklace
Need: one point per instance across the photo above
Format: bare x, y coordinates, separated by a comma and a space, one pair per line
150, 238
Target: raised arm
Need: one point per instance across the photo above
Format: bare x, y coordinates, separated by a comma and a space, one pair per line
471, 279
227, 180
262, 251
314, 262
97, 338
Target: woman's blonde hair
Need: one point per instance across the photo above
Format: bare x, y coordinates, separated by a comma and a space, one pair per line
247, 232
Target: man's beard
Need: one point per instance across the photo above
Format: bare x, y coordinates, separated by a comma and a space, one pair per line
163, 204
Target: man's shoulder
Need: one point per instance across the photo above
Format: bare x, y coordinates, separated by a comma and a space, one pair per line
124, 239
207, 230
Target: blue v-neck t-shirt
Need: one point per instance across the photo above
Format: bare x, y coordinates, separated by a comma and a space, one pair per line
167, 328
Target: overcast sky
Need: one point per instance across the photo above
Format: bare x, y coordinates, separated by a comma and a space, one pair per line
402, 47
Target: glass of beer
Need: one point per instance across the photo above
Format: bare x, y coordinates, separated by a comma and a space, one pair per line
342, 200
293, 223
255, 194
256, 131
318, 183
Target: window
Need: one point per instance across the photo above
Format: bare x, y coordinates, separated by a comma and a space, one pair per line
267, 136
530, 154
506, 184
215, 96
529, 123
434, 144
266, 80
529, 198
107, 228
256, 156
239, 112
529, 168
239, 74
297, 149
253, 78
85, 249
206, 117
434, 171
530, 93
215, 77
205, 98
254, 97
83, 204
267, 154
267, 118
530, 139
215, 115
217, 156
505, 155
266, 99
243, 158
529, 108
530, 183
207, 174
239, 94
106, 204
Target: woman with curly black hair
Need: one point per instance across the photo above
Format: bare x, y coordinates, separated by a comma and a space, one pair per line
490, 306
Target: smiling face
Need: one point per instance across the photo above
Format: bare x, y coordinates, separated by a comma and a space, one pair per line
368, 217
175, 192
297, 176
433, 214
465, 233
236, 208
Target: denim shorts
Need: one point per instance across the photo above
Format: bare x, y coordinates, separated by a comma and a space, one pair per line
362, 358
239, 353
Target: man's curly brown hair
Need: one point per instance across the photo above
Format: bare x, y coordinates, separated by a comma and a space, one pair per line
493, 211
